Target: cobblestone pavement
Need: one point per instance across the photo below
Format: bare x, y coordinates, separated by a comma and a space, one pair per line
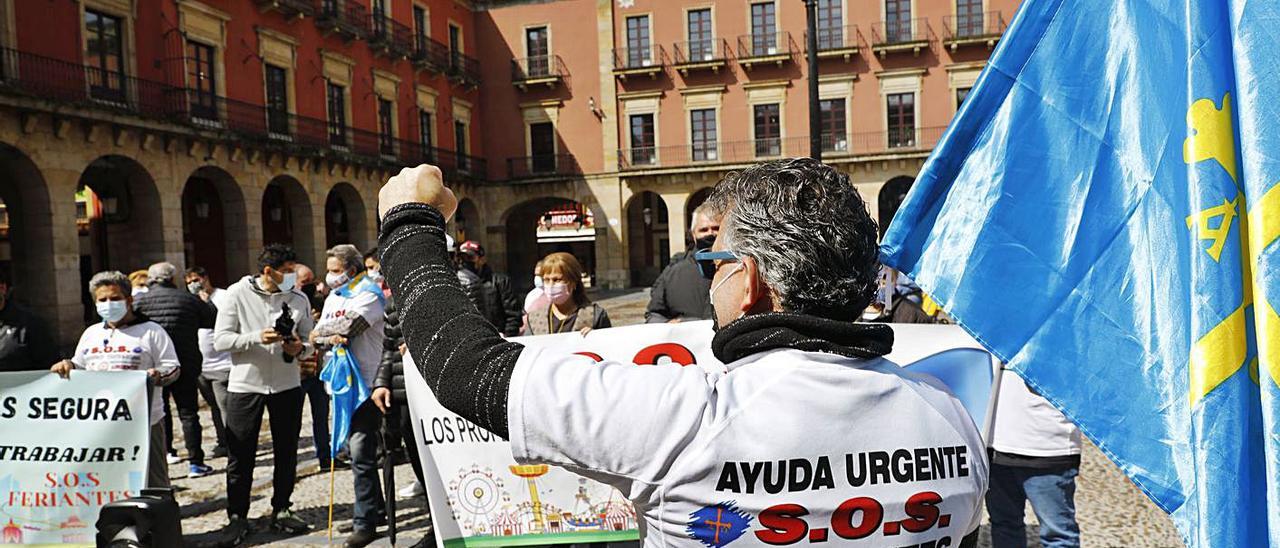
1110, 510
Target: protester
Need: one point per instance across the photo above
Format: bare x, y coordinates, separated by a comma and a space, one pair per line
353, 316
566, 297
309, 370
373, 270
264, 375
1035, 456
802, 384
392, 437
536, 297
216, 366
26, 342
126, 340
139, 280
490, 291
680, 293
182, 315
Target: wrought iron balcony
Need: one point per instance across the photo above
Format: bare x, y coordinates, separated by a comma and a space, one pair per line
289, 8
542, 165
712, 53
342, 17
836, 42
390, 38
834, 145
975, 28
463, 69
548, 70
639, 61
760, 48
430, 55
900, 35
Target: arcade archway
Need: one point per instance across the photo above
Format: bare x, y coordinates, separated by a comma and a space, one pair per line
890, 199
26, 232
648, 237
286, 216
344, 217
122, 226
214, 232
539, 227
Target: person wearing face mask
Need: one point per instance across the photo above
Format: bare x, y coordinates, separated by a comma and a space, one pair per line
353, 315
802, 396
126, 340
680, 292
568, 309
264, 376
26, 343
313, 389
215, 367
490, 292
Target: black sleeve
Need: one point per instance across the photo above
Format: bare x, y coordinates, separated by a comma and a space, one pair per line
207, 311
511, 306
41, 346
464, 360
390, 347
658, 311
601, 321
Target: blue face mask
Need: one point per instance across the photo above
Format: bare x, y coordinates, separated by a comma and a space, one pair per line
537, 282
112, 311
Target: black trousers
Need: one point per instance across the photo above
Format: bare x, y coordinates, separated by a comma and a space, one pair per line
184, 393
243, 418
404, 423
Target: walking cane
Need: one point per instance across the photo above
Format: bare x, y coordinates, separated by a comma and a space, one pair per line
389, 480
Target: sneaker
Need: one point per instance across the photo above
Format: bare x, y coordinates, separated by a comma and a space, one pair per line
413, 490
235, 533
173, 458
361, 538
199, 470
287, 522
218, 452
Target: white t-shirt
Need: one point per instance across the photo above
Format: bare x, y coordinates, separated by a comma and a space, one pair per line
213, 360
137, 347
1027, 424
780, 447
362, 301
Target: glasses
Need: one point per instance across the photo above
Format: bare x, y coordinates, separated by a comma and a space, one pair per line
706, 261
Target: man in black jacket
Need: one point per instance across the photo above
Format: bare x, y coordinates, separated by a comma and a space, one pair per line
680, 293
182, 315
26, 344
490, 291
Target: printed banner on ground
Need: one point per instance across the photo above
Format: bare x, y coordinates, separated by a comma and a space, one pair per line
68, 447
479, 496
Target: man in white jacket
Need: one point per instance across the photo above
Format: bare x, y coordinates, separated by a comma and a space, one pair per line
264, 375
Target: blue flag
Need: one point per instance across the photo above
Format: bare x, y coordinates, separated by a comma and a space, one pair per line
341, 374
1103, 215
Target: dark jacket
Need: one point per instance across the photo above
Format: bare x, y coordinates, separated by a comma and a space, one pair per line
26, 344
679, 292
391, 370
182, 315
494, 298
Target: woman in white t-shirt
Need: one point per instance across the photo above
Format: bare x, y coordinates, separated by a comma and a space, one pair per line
128, 341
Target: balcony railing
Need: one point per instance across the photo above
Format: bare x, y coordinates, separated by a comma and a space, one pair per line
694, 52
834, 145
430, 54
343, 17
388, 37
974, 26
899, 32
642, 58
539, 68
836, 40
542, 165
290, 8
463, 69
247, 124
772, 44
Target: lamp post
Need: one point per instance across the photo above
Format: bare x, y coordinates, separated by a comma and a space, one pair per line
815, 114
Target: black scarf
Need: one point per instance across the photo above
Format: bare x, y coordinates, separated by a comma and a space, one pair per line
760, 332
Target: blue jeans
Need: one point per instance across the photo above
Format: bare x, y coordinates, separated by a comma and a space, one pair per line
313, 389
1052, 494
362, 443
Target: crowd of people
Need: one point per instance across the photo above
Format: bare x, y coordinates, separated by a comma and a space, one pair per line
258, 346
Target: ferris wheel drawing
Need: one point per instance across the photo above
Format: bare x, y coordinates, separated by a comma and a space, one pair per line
476, 493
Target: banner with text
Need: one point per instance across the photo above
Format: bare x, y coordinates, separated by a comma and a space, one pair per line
480, 497
68, 447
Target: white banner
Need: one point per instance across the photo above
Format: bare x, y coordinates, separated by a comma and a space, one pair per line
479, 496
68, 447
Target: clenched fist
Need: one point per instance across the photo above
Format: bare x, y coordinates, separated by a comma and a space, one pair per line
422, 184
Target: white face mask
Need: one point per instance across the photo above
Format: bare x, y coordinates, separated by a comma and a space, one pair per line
537, 281
711, 295
112, 311
336, 280
290, 279
374, 275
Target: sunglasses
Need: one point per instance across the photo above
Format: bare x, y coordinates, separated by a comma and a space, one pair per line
706, 261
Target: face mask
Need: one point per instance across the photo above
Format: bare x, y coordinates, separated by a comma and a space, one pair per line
112, 311
711, 296
195, 287
557, 293
336, 280
537, 282
290, 278
374, 275
704, 242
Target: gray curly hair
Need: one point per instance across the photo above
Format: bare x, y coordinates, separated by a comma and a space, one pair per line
349, 255
110, 277
808, 230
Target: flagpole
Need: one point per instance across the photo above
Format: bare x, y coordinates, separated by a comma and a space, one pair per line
331, 463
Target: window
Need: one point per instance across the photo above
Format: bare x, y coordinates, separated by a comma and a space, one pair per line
542, 146
277, 100
201, 81
642, 140
969, 18
538, 50
426, 135
768, 129
961, 95
386, 127
460, 143
455, 46
832, 113
337, 104
764, 35
420, 31
638, 54
702, 46
902, 119
104, 56
379, 18
702, 125
830, 25
897, 21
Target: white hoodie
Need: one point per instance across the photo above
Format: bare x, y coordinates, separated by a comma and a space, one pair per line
259, 368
